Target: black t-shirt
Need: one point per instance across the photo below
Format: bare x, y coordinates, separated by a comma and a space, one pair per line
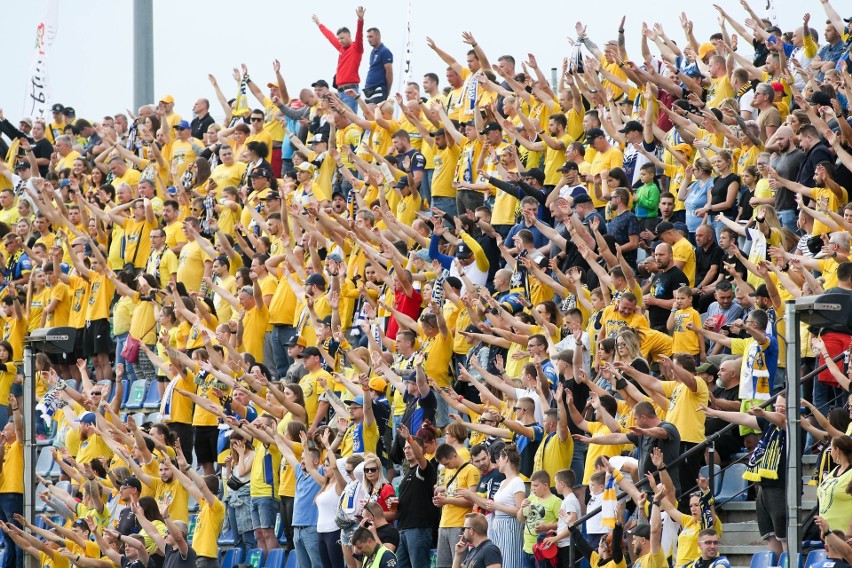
174, 559
739, 267
388, 535
43, 149
482, 556
669, 446
411, 161
663, 288
781, 482
580, 392
713, 425
719, 193
127, 563
127, 523
416, 510
706, 259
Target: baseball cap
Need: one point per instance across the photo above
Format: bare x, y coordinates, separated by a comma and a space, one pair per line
684, 148
87, 418
662, 227
318, 138
260, 173
132, 481
69, 111
378, 384
27, 120
423, 255
326, 320
409, 377
593, 133
491, 127
296, 340
57, 108
272, 195
631, 126
681, 227
167, 99
335, 256
569, 166
642, 530
320, 83
403, 182
182, 125
357, 401
80, 523
708, 368
247, 290
463, 251
306, 167
272, 85
311, 352
316, 279
582, 198
19, 166
454, 282
536, 173
761, 292
704, 50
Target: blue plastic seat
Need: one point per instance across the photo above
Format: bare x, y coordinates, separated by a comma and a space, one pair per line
814, 556
275, 559
40, 506
733, 485
193, 506
152, 418
193, 521
152, 399
125, 383
137, 394
763, 559
717, 477
139, 418
231, 558
226, 538
255, 557
280, 534
292, 560
45, 466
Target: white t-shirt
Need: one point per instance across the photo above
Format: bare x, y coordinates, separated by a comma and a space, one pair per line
531, 393
506, 494
570, 504
328, 502
595, 524
569, 343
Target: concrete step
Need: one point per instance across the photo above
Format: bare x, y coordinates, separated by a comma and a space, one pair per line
744, 511
740, 534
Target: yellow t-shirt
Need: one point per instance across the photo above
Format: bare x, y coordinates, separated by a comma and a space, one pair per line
825, 195
683, 408
179, 508
191, 266
138, 241
612, 158
254, 328
40, 300
650, 560
683, 252
174, 234
445, 166
555, 159
209, 524
719, 90
311, 390
265, 469
438, 352
93, 448
683, 339
468, 478
62, 294
597, 450
11, 478
552, 454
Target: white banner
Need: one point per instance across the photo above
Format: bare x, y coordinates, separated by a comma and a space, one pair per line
37, 98
404, 75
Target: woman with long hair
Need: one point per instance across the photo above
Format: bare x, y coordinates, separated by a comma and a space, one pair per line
376, 485
328, 504
505, 530
834, 493
292, 433
236, 473
628, 350
147, 506
695, 194
723, 192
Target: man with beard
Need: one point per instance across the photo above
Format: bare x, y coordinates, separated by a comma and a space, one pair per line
723, 395
667, 279
646, 545
787, 161
724, 309
165, 489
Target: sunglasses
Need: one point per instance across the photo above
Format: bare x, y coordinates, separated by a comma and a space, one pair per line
97, 393
253, 119
371, 469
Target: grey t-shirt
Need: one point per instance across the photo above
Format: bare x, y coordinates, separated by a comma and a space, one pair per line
669, 446
787, 165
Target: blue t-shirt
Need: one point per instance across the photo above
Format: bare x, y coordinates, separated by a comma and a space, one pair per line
305, 512
376, 76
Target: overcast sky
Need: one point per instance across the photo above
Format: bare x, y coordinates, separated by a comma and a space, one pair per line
90, 65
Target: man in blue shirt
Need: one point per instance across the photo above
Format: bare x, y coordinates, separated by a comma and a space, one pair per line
305, 512
380, 74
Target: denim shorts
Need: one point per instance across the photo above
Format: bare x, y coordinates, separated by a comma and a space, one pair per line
263, 512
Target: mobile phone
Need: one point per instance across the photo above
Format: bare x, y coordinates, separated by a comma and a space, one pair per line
772, 39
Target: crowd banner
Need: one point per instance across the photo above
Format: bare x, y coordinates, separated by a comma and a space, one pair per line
37, 97
404, 76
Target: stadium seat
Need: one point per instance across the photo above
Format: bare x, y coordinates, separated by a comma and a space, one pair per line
40, 506
783, 561
72, 384
292, 560
193, 521
733, 484
275, 559
126, 386
280, 534
193, 505
45, 466
231, 558
717, 477
763, 559
814, 556
226, 538
137, 394
152, 418
254, 557
139, 418
50, 436
152, 399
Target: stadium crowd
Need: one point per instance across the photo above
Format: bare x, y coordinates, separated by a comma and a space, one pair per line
368, 325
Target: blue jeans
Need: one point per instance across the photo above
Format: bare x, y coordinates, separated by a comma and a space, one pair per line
351, 102
307, 547
826, 397
426, 185
10, 504
788, 219
244, 541
529, 561
446, 204
281, 360
414, 548
129, 372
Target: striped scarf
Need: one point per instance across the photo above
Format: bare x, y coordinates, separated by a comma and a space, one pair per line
51, 402
610, 501
766, 457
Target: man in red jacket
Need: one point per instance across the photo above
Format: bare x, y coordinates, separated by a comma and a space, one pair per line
349, 58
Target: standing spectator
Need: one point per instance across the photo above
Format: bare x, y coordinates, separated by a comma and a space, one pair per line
379, 79
349, 58
202, 120
305, 512
539, 513
787, 161
416, 508
624, 226
457, 475
667, 278
722, 312
12, 480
